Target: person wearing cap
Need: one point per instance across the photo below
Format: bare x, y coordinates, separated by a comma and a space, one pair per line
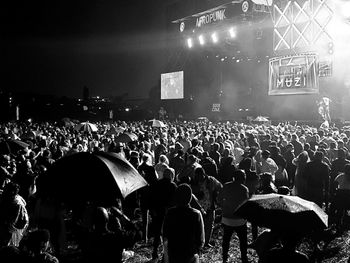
183, 229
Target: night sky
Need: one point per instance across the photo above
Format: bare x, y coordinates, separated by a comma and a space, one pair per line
58, 47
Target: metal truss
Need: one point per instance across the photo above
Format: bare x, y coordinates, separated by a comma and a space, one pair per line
301, 24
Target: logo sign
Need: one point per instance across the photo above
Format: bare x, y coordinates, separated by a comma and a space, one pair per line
209, 18
216, 107
293, 75
182, 26
245, 6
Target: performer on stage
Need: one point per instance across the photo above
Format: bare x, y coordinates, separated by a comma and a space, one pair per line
162, 113
323, 108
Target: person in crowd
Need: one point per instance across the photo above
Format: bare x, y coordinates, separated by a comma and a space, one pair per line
281, 175
183, 229
185, 141
317, 178
36, 245
5, 174
332, 152
266, 142
309, 151
160, 149
267, 165
298, 147
177, 162
287, 253
186, 175
338, 166
163, 194
45, 159
289, 156
206, 188
149, 173
341, 200
134, 159
209, 165
234, 194
252, 178
226, 170
300, 181
215, 154
266, 184
14, 217
103, 245
161, 166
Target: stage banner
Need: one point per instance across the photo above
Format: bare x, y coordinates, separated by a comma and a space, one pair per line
291, 75
216, 107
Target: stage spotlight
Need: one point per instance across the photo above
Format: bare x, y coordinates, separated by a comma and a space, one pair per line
189, 43
330, 48
232, 32
237, 60
214, 37
201, 40
222, 59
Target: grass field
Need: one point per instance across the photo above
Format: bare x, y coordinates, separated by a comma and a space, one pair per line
338, 250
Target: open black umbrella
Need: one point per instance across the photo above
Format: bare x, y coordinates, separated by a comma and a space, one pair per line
11, 146
99, 177
284, 213
86, 127
126, 137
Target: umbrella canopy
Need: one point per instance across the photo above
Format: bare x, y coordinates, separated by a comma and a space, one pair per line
284, 213
261, 119
99, 177
115, 130
11, 146
67, 122
126, 137
157, 123
86, 127
31, 135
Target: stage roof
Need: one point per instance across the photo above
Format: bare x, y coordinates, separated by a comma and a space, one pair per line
257, 2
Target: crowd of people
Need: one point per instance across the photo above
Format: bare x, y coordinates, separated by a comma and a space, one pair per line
196, 172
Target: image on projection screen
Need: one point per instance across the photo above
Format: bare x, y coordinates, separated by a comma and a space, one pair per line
172, 85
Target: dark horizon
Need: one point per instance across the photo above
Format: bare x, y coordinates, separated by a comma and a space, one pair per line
58, 47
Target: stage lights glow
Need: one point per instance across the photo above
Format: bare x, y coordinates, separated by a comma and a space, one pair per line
201, 39
214, 37
330, 48
232, 32
189, 43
